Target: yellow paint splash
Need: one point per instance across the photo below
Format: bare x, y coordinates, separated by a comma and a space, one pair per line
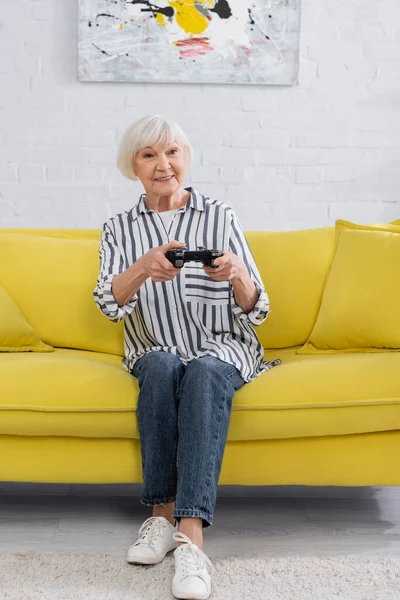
188, 17
160, 19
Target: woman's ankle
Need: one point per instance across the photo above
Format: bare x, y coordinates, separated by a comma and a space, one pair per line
167, 516
193, 529
165, 510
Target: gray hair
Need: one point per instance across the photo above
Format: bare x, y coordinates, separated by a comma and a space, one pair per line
147, 131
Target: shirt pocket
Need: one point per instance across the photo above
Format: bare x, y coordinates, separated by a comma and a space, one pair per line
201, 288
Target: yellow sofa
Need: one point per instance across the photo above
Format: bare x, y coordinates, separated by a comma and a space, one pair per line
68, 416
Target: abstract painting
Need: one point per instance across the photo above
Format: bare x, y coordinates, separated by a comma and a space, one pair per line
189, 41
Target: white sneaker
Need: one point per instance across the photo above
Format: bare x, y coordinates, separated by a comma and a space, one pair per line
155, 540
192, 580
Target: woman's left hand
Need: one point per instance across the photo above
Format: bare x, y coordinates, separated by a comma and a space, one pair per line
230, 267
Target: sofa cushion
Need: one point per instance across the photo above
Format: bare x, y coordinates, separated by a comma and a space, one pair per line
360, 304
293, 266
89, 394
52, 281
16, 335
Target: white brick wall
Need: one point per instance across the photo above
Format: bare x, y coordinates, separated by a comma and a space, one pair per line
299, 156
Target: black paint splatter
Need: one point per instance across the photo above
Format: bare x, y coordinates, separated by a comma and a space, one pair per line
110, 17
102, 51
222, 9
252, 22
168, 11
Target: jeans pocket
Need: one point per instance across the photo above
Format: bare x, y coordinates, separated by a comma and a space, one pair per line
135, 370
235, 378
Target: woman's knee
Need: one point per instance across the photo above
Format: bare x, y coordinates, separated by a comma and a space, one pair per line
210, 372
207, 365
159, 363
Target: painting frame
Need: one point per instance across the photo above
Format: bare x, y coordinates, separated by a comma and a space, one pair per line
245, 42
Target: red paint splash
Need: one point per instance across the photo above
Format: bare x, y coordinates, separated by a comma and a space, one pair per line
193, 47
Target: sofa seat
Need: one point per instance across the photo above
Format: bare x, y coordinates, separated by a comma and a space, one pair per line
88, 394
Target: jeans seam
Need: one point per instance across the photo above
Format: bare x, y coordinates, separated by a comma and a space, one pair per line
212, 462
229, 375
158, 502
173, 470
193, 512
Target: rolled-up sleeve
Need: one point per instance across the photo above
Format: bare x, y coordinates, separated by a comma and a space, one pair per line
111, 264
238, 245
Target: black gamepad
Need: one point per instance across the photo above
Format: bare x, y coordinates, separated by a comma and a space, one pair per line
180, 256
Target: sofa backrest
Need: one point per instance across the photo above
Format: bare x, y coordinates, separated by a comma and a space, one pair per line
293, 266
51, 274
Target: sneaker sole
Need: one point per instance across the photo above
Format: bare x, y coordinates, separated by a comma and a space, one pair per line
144, 561
190, 596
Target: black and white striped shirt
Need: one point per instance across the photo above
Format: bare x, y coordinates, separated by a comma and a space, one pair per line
192, 315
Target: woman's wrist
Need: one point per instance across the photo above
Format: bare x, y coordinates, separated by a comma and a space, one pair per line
125, 285
245, 291
241, 276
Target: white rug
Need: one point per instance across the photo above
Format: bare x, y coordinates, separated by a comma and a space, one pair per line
34, 576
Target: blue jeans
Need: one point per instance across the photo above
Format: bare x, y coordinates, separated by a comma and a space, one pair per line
196, 401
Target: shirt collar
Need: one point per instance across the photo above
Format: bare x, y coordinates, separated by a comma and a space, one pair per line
196, 201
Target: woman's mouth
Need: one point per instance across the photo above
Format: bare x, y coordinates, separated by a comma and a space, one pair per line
164, 179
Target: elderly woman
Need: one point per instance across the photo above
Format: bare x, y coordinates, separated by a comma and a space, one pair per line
189, 340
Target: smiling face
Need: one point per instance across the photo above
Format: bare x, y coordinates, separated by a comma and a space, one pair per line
161, 168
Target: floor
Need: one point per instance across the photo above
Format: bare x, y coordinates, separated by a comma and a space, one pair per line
261, 521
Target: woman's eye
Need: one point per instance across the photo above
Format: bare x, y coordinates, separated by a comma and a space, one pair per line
174, 150
148, 155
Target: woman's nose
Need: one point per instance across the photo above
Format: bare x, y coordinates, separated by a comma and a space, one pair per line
163, 163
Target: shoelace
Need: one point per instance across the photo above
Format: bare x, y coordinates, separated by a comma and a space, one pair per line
152, 525
193, 557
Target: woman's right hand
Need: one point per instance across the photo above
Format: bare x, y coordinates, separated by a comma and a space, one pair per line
156, 265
